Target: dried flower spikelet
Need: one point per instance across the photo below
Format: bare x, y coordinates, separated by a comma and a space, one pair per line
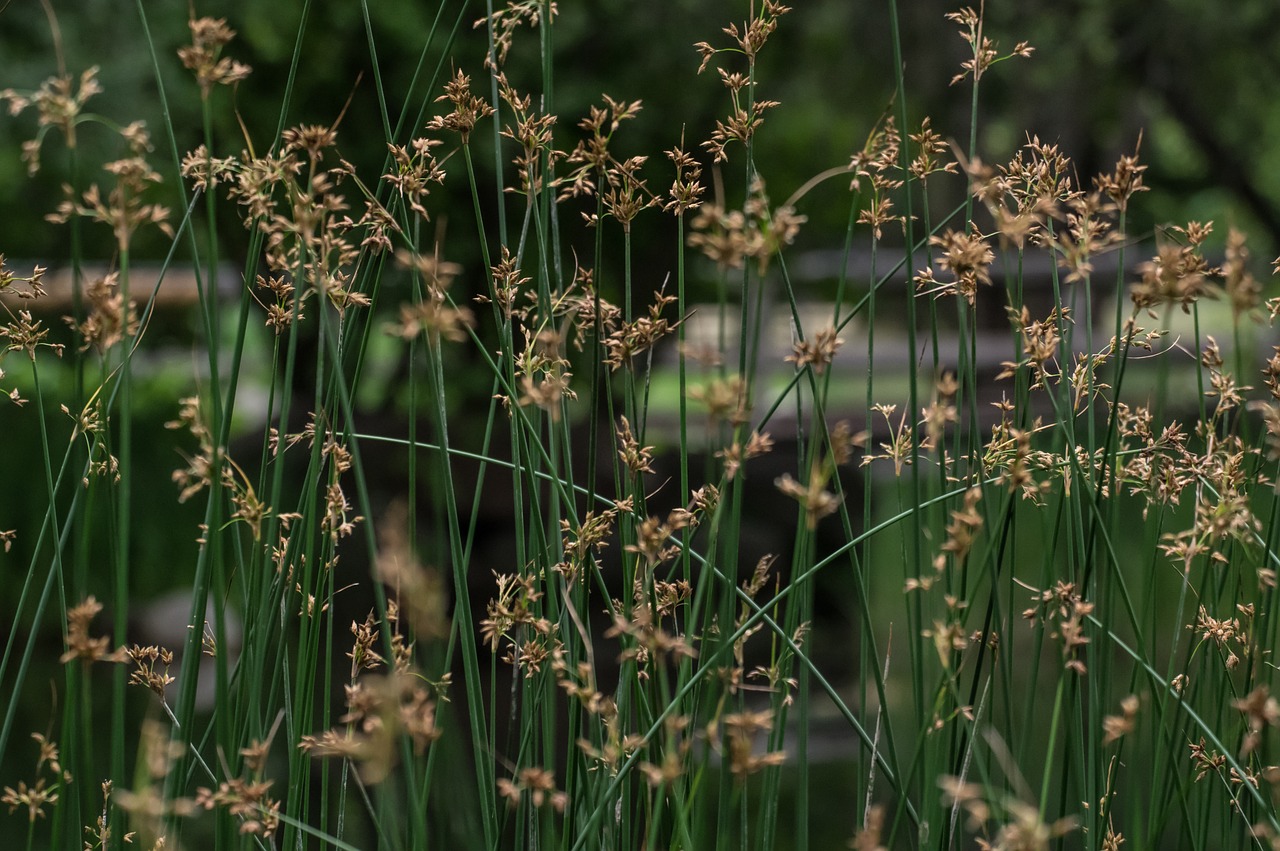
22, 287
57, 105
584, 541
626, 195
203, 55
651, 541
379, 711
967, 256
1088, 231
1206, 760
964, 526
532, 131
1036, 183
1178, 274
984, 49
722, 236
638, 459
647, 643
940, 413
80, 645
868, 836
414, 168
929, 144
467, 108
1028, 829
514, 612
437, 275
949, 640
900, 447
199, 470
746, 115
1024, 827
668, 771
1040, 341
284, 309
1125, 180
247, 800
548, 391
817, 352
346, 745
434, 318
641, 335
877, 164
843, 441
734, 455
538, 784
967, 796
702, 503
338, 521
22, 332
250, 510
1221, 515
1066, 612
160, 750
730, 238
26, 334
106, 323
752, 36
591, 157
36, 797
741, 729
1271, 375
1261, 712
504, 22
1116, 727
137, 137
145, 673
207, 172
1242, 287
507, 282
813, 497
363, 656
310, 139
726, 399
147, 805
1222, 384
123, 208
674, 752
686, 190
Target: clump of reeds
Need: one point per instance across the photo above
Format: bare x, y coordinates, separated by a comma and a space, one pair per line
1060, 584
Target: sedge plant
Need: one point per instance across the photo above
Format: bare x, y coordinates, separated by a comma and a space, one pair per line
1054, 562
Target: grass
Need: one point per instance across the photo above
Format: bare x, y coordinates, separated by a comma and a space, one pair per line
579, 582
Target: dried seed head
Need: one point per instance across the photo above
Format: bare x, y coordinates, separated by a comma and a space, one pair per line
203, 55
467, 108
817, 352
80, 645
